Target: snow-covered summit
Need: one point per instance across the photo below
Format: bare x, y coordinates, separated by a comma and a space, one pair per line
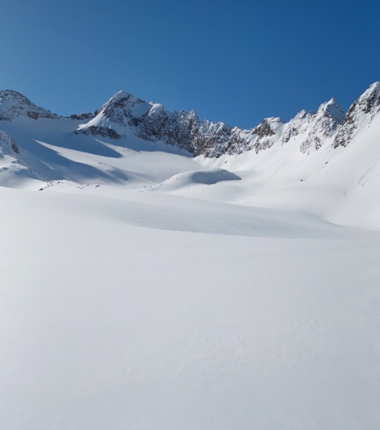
333, 110
119, 112
123, 106
119, 115
13, 104
370, 99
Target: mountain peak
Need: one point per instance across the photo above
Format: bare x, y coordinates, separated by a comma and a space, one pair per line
361, 111
124, 106
120, 111
370, 99
13, 96
121, 95
14, 104
332, 110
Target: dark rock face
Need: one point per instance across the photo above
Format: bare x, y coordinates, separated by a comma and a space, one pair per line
14, 147
186, 130
82, 116
264, 130
99, 131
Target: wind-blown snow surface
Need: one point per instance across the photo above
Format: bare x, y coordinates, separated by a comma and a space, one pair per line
119, 314
145, 289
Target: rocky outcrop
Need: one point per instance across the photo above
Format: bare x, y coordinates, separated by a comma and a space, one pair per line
313, 129
82, 116
99, 131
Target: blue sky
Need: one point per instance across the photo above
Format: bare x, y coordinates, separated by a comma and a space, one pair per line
233, 61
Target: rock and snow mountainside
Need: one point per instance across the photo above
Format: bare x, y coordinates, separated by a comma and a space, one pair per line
145, 288
332, 151
11, 160
215, 139
14, 105
124, 115
360, 115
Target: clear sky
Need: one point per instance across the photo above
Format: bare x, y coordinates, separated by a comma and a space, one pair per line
234, 61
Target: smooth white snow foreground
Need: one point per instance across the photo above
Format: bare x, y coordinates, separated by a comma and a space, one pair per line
172, 313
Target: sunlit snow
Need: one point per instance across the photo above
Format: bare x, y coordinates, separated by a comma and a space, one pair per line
142, 288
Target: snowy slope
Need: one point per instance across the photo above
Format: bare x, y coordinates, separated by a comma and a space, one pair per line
322, 163
186, 314
143, 287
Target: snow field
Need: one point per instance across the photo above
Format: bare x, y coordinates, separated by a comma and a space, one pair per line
106, 324
145, 289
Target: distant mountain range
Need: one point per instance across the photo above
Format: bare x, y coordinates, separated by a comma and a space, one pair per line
324, 163
124, 115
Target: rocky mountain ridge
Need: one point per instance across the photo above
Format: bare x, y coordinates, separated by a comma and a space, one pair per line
330, 125
125, 115
366, 107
